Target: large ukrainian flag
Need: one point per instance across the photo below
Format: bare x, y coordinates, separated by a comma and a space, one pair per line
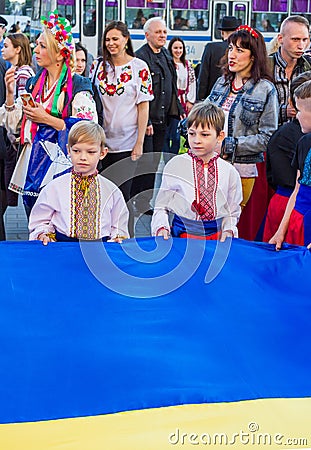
219, 364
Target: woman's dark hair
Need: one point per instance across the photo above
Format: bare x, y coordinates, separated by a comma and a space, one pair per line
183, 56
260, 68
22, 41
120, 26
78, 48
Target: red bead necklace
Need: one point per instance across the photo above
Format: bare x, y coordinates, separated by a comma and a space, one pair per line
49, 93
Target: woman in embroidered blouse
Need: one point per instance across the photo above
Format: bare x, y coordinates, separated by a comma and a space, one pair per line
249, 101
60, 100
186, 84
124, 83
16, 50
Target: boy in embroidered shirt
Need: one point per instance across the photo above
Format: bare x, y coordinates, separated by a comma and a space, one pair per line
80, 204
202, 190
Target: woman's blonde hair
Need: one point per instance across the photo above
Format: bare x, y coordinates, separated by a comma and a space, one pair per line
53, 49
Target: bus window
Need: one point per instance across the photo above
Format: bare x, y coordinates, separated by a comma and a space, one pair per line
240, 13
89, 18
220, 12
36, 11
267, 22
41, 8
137, 12
189, 15
111, 11
67, 10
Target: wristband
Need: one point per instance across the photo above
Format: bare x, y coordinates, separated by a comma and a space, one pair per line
9, 107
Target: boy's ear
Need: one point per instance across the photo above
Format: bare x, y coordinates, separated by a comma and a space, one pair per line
103, 152
221, 136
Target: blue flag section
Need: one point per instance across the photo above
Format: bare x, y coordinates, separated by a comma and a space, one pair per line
108, 346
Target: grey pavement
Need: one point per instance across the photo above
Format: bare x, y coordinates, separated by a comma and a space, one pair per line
15, 222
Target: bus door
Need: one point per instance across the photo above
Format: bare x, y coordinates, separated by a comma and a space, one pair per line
89, 19
241, 10
219, 9
95, 15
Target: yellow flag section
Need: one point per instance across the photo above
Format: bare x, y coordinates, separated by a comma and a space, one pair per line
268, 423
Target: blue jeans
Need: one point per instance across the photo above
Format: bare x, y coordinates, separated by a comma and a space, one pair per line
172, 139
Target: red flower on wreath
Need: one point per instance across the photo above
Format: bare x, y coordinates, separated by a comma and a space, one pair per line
65, 53
143, 74
150, 91
125, 77
111, 89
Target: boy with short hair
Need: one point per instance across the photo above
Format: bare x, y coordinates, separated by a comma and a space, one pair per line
81, 204
201, 189
295, 226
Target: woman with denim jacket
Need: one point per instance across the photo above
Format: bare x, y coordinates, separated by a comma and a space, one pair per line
249, 101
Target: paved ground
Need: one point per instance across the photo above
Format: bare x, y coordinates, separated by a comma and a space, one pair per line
15, 222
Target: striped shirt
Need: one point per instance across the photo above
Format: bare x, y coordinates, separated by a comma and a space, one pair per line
282, 83
21, 76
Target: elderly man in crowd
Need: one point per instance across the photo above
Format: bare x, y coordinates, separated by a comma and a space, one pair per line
165, 104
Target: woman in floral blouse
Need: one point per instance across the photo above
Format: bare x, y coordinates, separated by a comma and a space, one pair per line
124, 83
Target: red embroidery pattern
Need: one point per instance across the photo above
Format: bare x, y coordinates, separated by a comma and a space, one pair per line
146, 84
110, 88
85, 207
205, 193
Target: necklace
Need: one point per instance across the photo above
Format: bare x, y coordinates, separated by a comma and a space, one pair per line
47, 91
236, 90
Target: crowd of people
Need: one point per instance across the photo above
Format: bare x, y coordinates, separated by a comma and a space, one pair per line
83, 144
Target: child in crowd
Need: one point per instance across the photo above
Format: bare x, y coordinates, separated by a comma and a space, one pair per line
81, 204
281, 174
295, 226
201, 189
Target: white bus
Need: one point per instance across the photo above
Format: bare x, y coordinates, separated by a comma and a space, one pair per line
196, 21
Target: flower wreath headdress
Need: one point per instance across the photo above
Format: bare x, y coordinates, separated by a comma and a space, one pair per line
61, 29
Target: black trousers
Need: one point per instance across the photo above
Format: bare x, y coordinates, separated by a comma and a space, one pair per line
143, 183
119, 168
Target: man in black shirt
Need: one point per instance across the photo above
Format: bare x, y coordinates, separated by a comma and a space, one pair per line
210, 66
164, 104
